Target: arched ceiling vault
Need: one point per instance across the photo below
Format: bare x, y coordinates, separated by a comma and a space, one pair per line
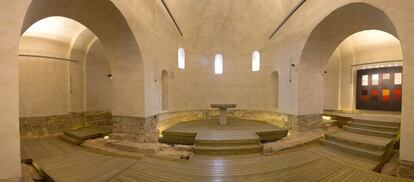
231, 25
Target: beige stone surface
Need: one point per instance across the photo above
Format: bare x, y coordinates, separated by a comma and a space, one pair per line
136, 149
294, 139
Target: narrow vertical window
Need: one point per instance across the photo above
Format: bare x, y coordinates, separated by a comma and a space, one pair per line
218, 64
256, 61
181, 58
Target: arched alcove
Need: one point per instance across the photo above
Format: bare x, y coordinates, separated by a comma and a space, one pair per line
322, 42
364, 50
275, 88
119, 42
165, 90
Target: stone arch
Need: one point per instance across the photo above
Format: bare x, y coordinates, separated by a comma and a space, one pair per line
322, 42
165, 90
119, 42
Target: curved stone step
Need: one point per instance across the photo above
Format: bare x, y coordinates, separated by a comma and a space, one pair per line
70, 139
359, 152
227, 142
375, 127
375, 122
228, 150
360, 140
224, 138
370, 132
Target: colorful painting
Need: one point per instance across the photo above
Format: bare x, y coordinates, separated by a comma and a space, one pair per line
379, 89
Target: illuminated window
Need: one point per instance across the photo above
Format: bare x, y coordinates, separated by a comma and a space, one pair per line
364, 80
397, 78
256, 61
218, 64
375, 78
181, 58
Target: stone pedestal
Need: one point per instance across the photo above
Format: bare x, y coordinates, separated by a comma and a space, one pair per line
223, 111
223, 116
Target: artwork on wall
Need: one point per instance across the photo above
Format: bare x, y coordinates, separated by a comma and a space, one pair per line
379, 89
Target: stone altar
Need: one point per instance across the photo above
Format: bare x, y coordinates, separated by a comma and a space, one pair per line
223, 111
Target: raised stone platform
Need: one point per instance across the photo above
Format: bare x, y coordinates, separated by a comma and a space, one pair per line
224, 142
186, 132
80, 135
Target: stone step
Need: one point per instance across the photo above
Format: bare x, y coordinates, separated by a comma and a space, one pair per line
375, 122
228, 150
359, 152
227, 142
375, 127
267, 136
360, 140
370, 132
70, 139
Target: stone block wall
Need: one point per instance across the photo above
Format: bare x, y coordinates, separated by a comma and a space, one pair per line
304, 123
286, 121
40, 126
406, 169
136, 129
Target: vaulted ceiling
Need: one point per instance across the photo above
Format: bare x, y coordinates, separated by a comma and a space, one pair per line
220, 25
56, 28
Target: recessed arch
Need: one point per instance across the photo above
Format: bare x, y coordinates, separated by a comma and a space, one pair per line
322, 42
112, 29
362, 50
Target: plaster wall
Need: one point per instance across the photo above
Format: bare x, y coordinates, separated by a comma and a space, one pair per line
10, 24
98, 90
43, 83
238, 84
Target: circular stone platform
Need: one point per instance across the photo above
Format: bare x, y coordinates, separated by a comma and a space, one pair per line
186, 132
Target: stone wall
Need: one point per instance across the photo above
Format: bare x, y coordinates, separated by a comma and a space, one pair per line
406, 169
286, 121
137, 129
304, 123
52, 125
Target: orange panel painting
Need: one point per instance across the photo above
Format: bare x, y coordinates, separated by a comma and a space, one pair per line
397, 94
385, 95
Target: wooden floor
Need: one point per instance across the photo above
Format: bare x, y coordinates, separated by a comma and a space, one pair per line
65, 162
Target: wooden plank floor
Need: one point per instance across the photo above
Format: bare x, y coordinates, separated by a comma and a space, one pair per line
296, 166
67, 163
83, 166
